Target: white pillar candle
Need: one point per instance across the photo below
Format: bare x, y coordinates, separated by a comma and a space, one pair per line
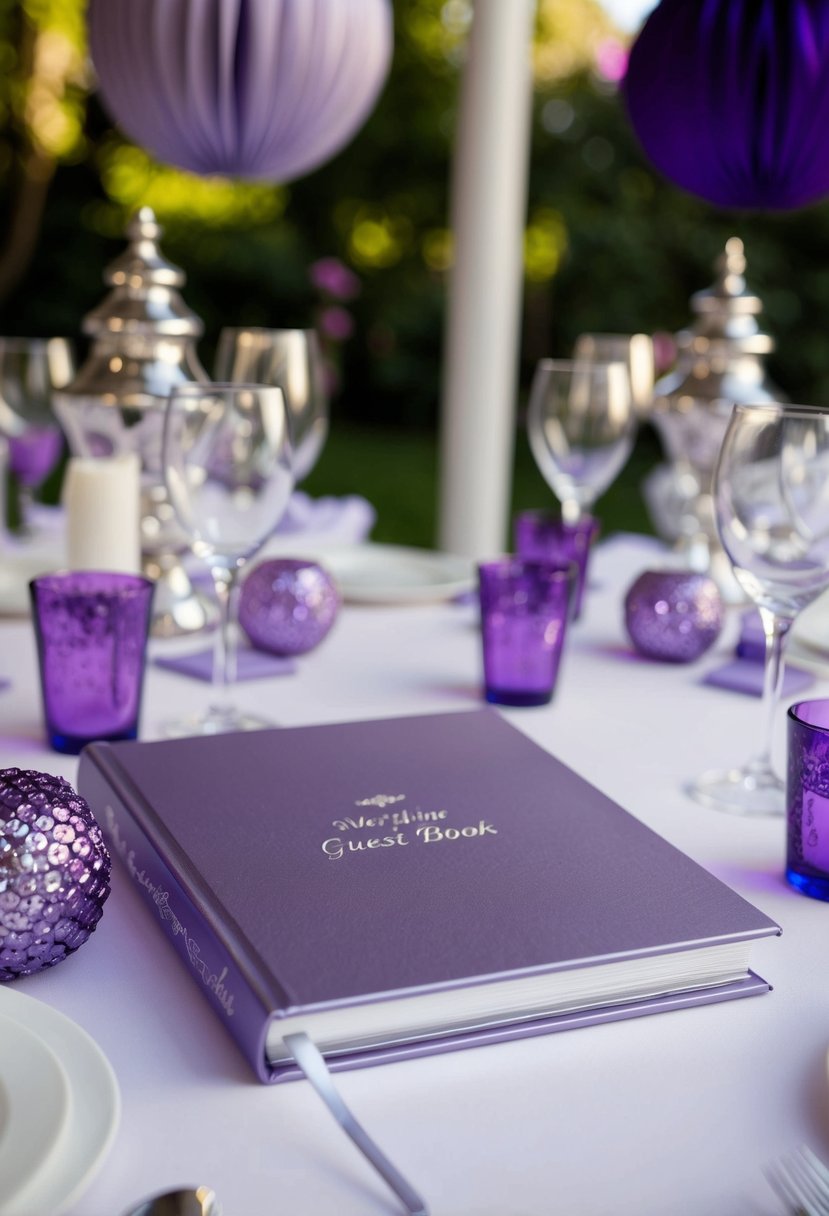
489, 186
102, 501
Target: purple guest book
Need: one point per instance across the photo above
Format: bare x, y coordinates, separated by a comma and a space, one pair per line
410, 885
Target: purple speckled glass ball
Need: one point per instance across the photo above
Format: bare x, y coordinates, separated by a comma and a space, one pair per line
54, 872
673, 615
288, 605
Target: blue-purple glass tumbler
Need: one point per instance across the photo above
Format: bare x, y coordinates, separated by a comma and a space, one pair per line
525, 607
91, 631
543, 536
807, 798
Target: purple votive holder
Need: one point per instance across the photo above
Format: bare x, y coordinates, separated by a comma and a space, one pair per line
91, 630
543, 536
525, 606
807, 798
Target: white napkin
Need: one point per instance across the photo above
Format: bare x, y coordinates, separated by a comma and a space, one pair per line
344, 521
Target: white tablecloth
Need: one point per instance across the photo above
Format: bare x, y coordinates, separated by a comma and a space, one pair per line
673, 1114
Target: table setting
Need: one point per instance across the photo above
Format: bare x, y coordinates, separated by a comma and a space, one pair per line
659, 724
434, 835
566, 648
600, 651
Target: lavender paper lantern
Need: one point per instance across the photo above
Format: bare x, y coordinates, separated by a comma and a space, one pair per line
730, 99
265, 89
673, 615
54, 872
288, 605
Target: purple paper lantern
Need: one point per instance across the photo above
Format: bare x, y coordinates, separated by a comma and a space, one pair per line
54, 872
265, 89
730, 99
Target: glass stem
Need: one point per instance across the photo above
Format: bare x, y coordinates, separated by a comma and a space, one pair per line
224, 655
571, 511
776, 629
25, 505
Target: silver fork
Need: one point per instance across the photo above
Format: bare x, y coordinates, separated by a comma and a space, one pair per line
801, 1181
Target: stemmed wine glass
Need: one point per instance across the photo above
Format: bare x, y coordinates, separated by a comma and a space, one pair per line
771, 496
581, 424
291, 359
635, 351
31, 370
227, 466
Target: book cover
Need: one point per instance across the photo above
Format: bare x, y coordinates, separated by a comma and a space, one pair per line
315, 869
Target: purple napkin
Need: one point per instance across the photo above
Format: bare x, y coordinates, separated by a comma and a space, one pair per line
315, 522
745, 675
752, 641
250, 664
4, 684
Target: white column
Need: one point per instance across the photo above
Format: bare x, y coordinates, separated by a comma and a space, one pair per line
489, 188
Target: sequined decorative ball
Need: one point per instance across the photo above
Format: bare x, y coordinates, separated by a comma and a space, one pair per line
54, 871
288, 605
673, 615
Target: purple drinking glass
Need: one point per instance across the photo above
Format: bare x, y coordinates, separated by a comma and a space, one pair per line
807, 798
91, 630
543, 536
31, 371
34, 453
525, 606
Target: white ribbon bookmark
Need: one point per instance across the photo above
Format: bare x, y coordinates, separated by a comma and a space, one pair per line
310, 1060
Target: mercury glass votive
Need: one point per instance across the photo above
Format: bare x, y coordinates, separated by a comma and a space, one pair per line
288, 605
543, 536
674, 616
525, 607
807, 798
91, 630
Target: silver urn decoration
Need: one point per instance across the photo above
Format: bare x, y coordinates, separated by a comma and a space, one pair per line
143, 344
719, 364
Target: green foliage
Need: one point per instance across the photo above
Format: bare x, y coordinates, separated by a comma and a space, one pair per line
610, 245
638, 247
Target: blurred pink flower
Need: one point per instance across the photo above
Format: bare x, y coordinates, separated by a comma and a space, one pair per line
611, 60
336, 323
333, 276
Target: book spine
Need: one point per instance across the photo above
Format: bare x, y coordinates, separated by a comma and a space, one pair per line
208, 959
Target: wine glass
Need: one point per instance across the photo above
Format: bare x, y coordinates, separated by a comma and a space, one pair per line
292, 360
31, 370
227, 466
635, 351
771, 496
581, 424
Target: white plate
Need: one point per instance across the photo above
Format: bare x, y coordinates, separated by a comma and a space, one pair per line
392, 574
35, 1108
95, 1109
807, 659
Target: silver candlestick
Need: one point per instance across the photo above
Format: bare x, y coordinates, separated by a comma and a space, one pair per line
719, 365
143, 344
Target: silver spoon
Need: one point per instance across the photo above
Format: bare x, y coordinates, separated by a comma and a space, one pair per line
199, 1202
